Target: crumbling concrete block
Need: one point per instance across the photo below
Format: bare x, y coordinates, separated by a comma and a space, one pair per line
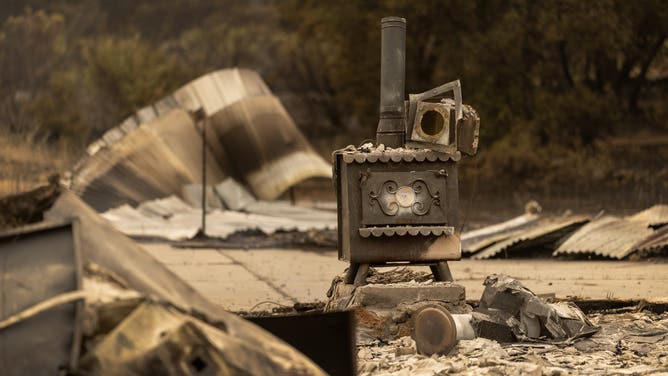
392, 295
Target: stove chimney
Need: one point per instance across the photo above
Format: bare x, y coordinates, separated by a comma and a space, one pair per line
391, 127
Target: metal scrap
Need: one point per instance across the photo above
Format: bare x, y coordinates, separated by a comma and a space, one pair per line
250, 136
616, 237
175, 220
544, 233
42, 273
642, 234
475, 240
655, 217
511, 307
157, 339
38, 263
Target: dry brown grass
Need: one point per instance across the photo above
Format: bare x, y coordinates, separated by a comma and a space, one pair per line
26, 164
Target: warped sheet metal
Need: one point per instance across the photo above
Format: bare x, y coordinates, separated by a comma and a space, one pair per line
40, 262
656, 216
266, 147
654, 243
475, 240
154, 160
251, 347
157, 151
547, 232
154, 339
174, 220
609, 236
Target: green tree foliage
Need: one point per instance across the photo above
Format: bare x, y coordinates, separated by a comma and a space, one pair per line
549, 78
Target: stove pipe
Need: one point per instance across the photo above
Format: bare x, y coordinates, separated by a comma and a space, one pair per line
391, 127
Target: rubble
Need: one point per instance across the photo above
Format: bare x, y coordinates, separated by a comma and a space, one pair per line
106, 306
506, 306
384, 309
627, 344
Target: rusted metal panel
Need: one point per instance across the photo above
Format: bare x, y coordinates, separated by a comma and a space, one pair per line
618, 238
38, 262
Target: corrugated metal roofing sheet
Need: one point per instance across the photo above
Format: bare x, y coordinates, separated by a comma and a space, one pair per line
475, 240
172, 219
608, 236
656, 242
546, 232
655, 216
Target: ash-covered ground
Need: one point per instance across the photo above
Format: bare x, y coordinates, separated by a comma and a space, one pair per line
630, 343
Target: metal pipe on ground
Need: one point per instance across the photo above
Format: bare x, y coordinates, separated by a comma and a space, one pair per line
437, 331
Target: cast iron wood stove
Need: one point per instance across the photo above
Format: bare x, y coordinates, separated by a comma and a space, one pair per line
398, 199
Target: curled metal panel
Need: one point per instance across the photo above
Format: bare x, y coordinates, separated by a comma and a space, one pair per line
156, 151
265, 146
155, 160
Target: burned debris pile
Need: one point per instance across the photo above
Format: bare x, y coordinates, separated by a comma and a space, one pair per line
80, 297
401, 302
631, 343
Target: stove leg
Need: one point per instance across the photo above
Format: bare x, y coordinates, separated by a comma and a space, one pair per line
362, 272
351, 273
441, 272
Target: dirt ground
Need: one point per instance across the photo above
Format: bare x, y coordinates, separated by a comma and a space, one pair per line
629, 342
242, 279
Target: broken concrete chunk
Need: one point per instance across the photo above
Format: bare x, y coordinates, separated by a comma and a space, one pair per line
392, 295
